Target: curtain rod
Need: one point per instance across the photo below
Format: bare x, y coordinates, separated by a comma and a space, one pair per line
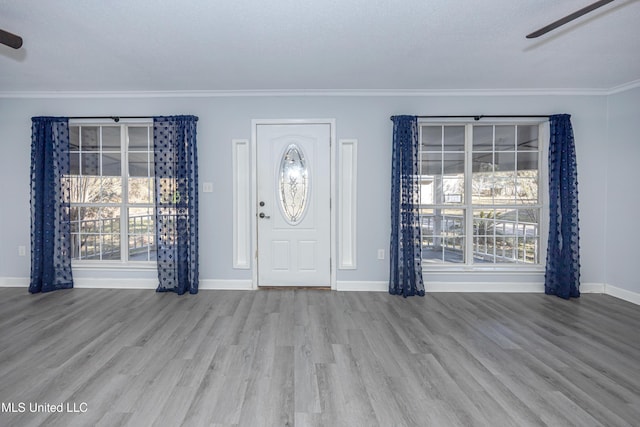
482, 116
114, 118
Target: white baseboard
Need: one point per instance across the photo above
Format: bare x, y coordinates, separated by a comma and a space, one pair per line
341, 285
379, 286
14, 282
510, 287
592, 288
357, 286
226, 285
111, 283
614, 291
153, 284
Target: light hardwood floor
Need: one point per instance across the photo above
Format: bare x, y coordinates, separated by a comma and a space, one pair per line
318, 358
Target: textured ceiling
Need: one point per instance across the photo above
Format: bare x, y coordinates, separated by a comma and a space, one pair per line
301, 45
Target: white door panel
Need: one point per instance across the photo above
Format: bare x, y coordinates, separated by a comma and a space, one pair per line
293, 192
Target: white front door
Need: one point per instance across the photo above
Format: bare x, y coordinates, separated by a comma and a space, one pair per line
293, 204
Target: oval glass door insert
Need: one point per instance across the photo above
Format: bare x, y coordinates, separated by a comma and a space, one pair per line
293, 183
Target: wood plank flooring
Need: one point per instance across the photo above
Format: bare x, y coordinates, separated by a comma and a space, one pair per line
317, 358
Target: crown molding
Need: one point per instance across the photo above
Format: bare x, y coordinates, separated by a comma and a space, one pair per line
625, 87
318, 93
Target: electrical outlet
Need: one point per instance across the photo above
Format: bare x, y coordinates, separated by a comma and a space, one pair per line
207, 187
22, 250
380, 253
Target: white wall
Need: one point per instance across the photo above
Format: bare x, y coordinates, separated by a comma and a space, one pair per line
363, 117
622, 148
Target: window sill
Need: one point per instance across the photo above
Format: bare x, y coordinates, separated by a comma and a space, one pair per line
475, 269
114, 266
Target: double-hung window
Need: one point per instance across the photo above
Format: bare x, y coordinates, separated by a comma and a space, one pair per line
481, 194
112, 192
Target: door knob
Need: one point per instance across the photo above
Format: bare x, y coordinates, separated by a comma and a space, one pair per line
262, 215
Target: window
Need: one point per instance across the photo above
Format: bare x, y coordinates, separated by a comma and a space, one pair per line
480, 198
112, 187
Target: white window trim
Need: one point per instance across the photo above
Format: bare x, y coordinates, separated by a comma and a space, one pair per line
509, 269
113, 265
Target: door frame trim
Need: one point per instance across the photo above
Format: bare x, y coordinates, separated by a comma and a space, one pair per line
254, 189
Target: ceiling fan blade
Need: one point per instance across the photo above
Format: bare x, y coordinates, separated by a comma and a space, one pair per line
10, 40
568, 18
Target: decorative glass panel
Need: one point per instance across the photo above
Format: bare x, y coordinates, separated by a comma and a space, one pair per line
293, 184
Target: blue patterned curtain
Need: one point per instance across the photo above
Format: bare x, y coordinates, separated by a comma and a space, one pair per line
176, 200
50, 197
406, 250
562, 276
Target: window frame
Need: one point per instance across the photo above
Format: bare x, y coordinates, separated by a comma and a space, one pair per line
123, 264
467, 206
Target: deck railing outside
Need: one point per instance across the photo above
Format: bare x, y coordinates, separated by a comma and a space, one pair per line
494, 240
100, 238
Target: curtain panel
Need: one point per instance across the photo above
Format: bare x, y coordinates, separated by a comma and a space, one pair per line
176, 203
406, 246
50, 205
562, 275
